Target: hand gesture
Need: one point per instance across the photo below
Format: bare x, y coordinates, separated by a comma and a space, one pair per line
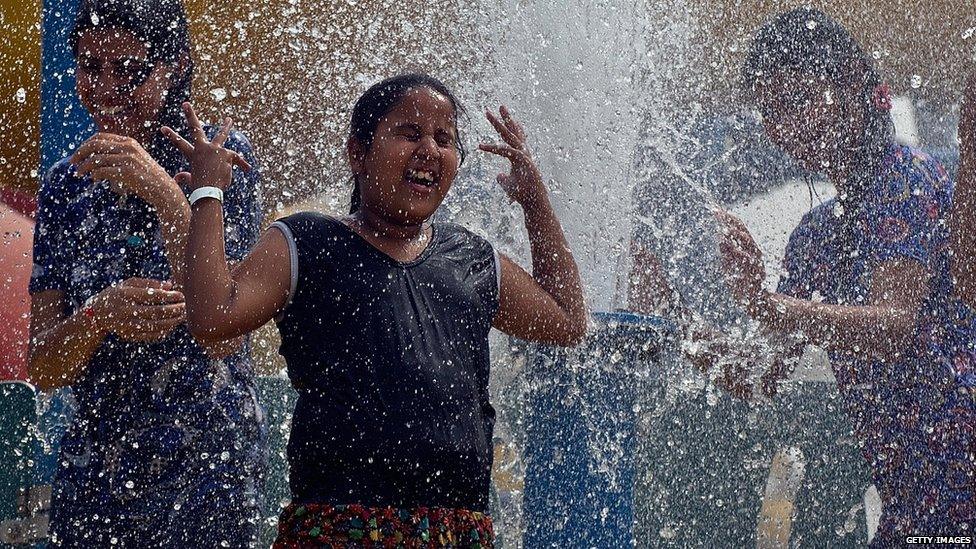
139, 309
126, 166
743, 263
210, 163
523, 183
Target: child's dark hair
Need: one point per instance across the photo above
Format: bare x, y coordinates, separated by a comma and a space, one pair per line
808, 40
383, 97
159, 24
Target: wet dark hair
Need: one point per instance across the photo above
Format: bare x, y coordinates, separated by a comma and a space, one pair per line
162, 26
810, 41
383, 97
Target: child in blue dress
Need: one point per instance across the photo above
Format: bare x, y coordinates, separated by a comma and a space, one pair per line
166, 445
868, 274
384, 318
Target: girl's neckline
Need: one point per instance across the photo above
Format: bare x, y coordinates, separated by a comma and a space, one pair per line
403, 264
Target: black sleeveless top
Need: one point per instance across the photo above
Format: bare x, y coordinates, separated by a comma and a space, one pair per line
390, 361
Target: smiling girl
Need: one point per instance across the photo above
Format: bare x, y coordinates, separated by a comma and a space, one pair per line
166, 444
384, 319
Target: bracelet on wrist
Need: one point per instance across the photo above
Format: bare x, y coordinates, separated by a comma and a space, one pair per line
88, 311
206, 192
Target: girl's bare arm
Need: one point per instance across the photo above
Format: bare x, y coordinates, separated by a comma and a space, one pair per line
223, 304
547, 305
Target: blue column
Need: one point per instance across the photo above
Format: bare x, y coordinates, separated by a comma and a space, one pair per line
64, 122
581, 423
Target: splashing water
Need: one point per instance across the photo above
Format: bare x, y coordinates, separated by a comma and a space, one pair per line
600, 88
577, 74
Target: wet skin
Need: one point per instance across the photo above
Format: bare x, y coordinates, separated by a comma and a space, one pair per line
117, 83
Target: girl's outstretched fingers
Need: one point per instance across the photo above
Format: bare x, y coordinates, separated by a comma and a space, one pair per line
504, 131
221, 138
242, 163
512, 124
523, 183
193, 122
224, 132
200, 138
506, 151
177, 140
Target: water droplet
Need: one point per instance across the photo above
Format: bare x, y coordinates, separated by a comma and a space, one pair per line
225, 455
21, 95
811, 24
916, 81
968, 33
219, 94
129, 484
95, 19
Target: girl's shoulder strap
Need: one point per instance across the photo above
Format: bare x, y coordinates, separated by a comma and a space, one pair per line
452, 232
312, 250
309, 224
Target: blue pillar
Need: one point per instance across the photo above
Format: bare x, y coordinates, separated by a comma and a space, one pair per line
582, 411
64, 121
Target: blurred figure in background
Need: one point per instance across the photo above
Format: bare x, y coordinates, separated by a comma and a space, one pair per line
15, 268
166, 445
868, 273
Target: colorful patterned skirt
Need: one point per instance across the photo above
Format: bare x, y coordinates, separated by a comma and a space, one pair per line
342, 526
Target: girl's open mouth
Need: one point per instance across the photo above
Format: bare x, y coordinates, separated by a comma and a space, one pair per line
114, 112
422, 181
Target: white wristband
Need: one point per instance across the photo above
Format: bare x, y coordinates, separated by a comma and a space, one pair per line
206, 192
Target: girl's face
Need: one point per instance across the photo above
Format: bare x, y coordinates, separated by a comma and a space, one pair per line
412, 161
122, 90
809, 118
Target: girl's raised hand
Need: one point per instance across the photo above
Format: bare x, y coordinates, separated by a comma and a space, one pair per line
211, 164
125, 165
523, 183
743, 263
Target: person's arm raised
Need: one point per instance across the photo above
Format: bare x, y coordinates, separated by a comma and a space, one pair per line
223, 304
882, 327
128, 168
548, 305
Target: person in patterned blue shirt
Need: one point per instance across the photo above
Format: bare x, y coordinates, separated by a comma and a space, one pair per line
167, 443
868, 274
